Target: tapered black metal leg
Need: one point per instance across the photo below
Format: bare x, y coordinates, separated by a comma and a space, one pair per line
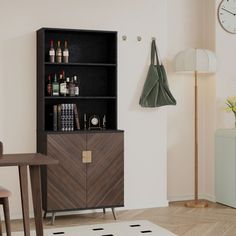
114, 213
53, 218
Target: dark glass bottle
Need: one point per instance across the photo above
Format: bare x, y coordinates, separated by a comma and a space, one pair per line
65, 53
72, 87
67, 86
59, 52
63, 84
49, 86
51, 52
55, 86
76, 82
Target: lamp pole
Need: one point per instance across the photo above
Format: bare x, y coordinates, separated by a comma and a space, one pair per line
196, 139
196, 203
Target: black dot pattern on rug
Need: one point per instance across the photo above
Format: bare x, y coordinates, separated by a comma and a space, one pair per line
140, 228
146, 231
97, 229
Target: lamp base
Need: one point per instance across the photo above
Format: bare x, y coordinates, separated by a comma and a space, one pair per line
197, 204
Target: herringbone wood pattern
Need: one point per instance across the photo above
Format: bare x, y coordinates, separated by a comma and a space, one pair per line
216, 220
73, 184
69, 174
105, 174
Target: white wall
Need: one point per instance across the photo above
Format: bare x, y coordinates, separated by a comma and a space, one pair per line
184, 31
145, 129
209, 24
190, 25
226, 74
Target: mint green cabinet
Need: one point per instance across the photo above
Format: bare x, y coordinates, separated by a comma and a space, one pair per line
225, 166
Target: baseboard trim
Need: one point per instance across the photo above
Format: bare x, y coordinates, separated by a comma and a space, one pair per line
208, 197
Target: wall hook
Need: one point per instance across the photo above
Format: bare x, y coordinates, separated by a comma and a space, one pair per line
124, 37
139, 38
153, 38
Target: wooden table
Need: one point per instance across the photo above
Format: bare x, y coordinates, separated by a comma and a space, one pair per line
34, 161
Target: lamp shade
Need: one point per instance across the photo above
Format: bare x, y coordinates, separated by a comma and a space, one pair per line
199, 60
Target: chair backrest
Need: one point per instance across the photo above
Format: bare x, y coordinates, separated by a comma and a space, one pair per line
4, 192
1, 148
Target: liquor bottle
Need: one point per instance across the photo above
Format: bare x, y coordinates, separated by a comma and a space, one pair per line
55, 87
58, 52
76, 86
60, 80
65, 53
49, 86
72, 87
67, 86
63, 84
51, 52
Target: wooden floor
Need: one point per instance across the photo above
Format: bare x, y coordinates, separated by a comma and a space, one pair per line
216, 220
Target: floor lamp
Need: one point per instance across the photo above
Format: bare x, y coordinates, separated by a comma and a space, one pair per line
195, 61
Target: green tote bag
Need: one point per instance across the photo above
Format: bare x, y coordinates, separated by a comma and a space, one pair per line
156, 90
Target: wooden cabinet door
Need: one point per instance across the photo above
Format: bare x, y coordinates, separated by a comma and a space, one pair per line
105, 174
66, 182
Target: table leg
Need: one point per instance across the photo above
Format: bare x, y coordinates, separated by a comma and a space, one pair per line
0, 227
37, 200
24, 198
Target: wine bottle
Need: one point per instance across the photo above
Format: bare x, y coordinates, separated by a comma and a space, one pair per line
63, 84
65, 53
55, 86
49, 86
58, 52
51, 52
76, 86
60, 81
67, 86
72, 87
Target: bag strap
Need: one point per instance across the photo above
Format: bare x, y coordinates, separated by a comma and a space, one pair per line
154, 54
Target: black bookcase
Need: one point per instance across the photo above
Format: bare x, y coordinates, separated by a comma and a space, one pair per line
90, 173
93, 58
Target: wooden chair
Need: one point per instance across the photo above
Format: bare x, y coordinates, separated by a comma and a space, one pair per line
4, 194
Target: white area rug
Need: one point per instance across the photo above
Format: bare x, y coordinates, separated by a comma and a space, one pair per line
129, 228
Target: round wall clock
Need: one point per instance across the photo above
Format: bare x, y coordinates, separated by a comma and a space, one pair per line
227, 15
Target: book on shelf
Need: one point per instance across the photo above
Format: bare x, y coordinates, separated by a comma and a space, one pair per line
76, 117
59, 117
63, 117
54, 117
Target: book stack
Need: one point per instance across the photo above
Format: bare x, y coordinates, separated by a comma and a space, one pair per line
64, 116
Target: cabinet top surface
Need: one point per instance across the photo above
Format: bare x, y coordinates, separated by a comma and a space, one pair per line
85, 131
76, 30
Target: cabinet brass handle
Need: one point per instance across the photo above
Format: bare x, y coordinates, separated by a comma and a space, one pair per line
87, 156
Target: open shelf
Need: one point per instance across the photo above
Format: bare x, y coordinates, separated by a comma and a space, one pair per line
93, 59
78, 64
79, 97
